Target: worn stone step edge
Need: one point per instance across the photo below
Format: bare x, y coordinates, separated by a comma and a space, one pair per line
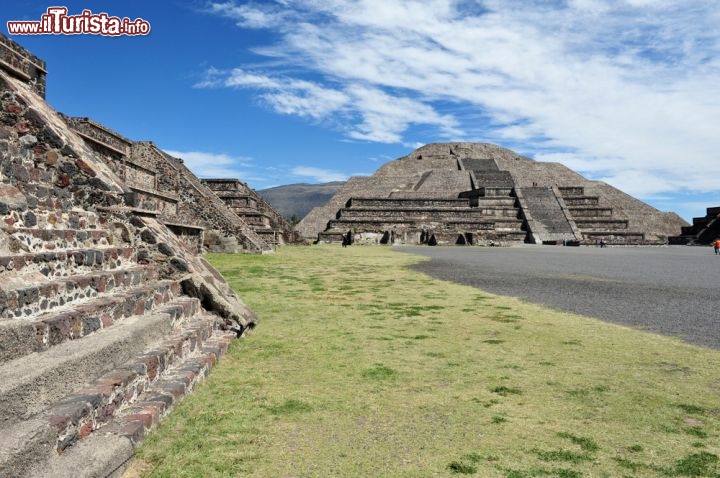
48, 436
20, 297
156, 372
90, 456
32, 382
19, 337
62, 263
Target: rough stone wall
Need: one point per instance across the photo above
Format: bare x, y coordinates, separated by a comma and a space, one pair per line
22, 64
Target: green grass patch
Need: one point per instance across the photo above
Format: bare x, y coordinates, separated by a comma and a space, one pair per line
697, 464
462, 468
290, 406
317, 390
563, 455
504, 391
379, 372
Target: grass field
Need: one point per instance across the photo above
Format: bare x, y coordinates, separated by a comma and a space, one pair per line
361, 367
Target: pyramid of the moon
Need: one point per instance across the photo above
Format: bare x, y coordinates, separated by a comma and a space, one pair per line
476, 193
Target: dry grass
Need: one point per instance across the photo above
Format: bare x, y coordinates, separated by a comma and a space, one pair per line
361, 367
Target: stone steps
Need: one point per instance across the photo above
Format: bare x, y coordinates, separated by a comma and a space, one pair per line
76, 320
138, 375
28, 295
484, 201
62, 263
33, 381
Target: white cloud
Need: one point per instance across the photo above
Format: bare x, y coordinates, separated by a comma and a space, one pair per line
214, 165
318, 174
249, 16
627, 90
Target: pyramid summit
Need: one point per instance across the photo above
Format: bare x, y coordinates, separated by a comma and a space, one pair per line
479, 193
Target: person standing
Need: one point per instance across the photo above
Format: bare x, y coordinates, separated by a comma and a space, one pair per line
716, 245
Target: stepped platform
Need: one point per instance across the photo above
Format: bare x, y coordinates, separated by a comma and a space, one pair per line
423, 192
703, 231
107, 318
253, 209
600, 224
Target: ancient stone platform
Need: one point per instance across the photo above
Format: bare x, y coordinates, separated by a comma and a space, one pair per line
161, 185
108, 315
469, 193
255, 211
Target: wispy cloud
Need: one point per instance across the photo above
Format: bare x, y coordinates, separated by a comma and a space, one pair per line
624, 90
318, 175
214, 165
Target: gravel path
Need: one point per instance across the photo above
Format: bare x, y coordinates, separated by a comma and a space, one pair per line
669, 290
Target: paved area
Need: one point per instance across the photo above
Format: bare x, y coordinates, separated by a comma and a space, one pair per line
671, 290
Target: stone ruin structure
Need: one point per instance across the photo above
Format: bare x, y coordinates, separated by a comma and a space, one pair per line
264, 220
703, 231
470, 193
108, 316
162, 185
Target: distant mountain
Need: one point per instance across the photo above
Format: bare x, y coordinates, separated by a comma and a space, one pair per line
299, 199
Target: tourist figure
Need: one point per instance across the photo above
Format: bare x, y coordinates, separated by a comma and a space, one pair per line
716, 245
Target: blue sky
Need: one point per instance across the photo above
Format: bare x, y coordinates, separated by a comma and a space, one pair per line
286, 91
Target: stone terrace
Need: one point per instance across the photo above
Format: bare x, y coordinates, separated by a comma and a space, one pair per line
107, 318
703, 231
161, 185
